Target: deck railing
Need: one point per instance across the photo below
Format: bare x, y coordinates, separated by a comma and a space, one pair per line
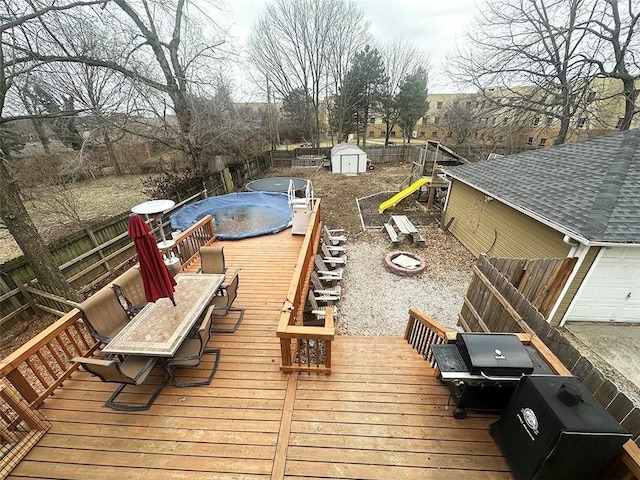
40, 366
423, 331
304, 348
188, 243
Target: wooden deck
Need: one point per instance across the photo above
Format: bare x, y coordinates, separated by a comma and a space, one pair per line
380, 414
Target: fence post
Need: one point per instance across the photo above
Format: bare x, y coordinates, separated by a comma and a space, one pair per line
29, 297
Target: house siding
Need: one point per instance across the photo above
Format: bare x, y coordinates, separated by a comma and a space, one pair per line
589, 258
498, 230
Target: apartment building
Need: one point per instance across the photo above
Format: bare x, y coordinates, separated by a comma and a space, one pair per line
472, 120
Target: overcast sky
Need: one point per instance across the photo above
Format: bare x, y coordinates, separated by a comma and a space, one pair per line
433, 25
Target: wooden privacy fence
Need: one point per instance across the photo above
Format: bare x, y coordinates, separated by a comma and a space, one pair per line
304, 348
24, 296
378, 154
494, 303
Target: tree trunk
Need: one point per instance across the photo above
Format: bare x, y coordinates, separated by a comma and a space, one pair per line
387, 133
630, 94
113, 158
42, 136
19, 223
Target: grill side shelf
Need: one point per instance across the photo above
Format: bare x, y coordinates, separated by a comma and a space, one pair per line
448, 359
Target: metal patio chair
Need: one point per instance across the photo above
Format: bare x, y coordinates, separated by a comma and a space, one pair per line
130, 288
105, 314
192, 351
133, 370
212, 259
223, 304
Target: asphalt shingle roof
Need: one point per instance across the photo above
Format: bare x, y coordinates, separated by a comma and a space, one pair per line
590, 189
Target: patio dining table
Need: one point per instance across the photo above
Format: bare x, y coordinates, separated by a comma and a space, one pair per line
159, 328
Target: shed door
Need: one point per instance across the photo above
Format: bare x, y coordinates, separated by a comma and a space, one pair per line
349, 164
611, 290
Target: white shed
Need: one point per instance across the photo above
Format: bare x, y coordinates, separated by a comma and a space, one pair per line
347, 158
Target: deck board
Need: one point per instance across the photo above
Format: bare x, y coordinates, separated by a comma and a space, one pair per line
380, 414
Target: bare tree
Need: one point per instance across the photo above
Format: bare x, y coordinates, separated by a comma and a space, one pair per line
463, 117
524, 55
348, 35
18, 18
295, 43
400, 58
614, 47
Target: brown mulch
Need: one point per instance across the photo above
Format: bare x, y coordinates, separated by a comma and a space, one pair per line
23, 331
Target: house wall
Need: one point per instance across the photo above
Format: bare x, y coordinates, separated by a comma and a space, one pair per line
498, 230
575, 284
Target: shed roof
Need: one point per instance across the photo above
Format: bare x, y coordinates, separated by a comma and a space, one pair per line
589, 190
342, 147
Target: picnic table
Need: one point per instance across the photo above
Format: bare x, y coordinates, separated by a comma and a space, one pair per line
400, 226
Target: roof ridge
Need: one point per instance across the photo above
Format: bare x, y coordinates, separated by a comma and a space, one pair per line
606, 199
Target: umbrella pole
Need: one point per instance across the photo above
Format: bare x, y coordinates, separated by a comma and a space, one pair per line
172, 301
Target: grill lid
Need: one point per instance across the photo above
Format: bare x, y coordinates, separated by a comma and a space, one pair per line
494, 354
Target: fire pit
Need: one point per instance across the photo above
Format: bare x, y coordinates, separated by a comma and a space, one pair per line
405, 264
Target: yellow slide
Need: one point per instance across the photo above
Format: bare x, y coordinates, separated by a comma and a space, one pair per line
393, 201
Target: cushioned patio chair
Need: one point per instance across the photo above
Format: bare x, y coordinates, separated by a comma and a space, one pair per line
191, 352
133, 370
105, 314
222, 304
130, 288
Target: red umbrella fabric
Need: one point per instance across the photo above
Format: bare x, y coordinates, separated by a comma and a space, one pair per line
158, 282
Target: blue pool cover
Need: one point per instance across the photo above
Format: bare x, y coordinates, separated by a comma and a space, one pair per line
238, 215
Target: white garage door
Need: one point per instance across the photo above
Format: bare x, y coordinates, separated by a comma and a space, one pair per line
611, 291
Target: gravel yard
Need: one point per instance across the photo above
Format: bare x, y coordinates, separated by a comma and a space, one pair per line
376, 302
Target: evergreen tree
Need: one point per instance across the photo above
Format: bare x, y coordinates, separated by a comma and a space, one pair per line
412, 101
362, 89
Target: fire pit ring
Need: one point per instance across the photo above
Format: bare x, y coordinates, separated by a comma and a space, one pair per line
408, 259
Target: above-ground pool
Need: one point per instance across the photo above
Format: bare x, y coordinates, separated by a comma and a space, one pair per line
276, 184
238, 215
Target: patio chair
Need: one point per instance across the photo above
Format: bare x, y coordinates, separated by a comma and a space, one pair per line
191, 352
130, 289
334, 248
320, 312
321, 289
105, 314
325, 299
335, 236
212, 259
133, 370
339, 259
324, 272
222, 305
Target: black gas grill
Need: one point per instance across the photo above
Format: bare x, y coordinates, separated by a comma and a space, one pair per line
484, 369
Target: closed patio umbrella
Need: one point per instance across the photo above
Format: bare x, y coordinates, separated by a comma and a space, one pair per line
158, 282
